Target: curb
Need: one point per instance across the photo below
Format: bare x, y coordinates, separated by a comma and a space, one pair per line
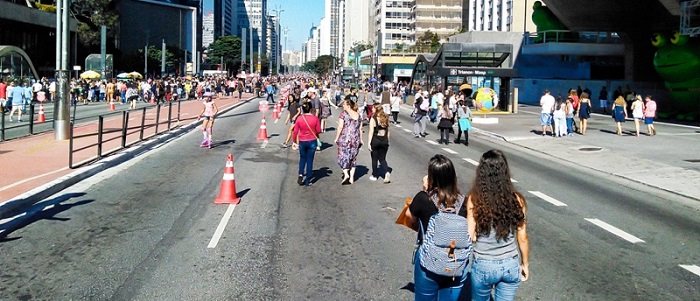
30, 198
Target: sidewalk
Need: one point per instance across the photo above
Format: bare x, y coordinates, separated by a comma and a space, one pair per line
669, 161
35, 167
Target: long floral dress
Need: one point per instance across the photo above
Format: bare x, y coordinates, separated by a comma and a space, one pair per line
348, 141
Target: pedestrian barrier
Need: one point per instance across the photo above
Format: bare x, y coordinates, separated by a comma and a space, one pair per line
112, 131
227, 192
15, 131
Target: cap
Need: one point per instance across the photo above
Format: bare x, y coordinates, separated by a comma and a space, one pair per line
311, 90
426, 93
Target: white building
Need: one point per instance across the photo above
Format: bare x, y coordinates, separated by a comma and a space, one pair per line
443, 17
392, 24
356, 25
251, 14
324, 37
207, 29
311, 47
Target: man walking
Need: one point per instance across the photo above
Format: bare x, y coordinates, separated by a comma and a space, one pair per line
547, 102
270, 89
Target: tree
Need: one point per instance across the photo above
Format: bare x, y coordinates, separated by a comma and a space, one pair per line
428, 42
91, 15
228, 48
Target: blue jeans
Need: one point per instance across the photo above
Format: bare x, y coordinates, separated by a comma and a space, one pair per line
569, 125
307, 149
429, 286
503, 275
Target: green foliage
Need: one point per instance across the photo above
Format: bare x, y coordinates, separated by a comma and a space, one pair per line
92, 14
322, 66
228, 48
428, 41
46, 7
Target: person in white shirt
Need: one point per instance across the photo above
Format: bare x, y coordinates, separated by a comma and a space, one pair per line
36, 87
547, 102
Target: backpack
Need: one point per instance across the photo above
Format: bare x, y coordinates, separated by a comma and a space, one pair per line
446, 246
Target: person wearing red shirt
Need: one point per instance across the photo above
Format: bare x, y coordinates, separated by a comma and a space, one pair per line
306, 129
3, 95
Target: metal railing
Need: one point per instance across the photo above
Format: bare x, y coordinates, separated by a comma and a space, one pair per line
16, 129
568, 36
111, 128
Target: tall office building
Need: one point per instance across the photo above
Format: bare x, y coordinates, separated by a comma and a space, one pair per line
311, 47
274, 49
207, 29
332, 28
443, 17
251, 14
221, 14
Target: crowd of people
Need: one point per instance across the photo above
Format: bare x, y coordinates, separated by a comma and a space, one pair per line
558, 114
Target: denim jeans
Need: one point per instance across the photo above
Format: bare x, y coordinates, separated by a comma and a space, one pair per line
419, 124
307, 149
503, 275
569, 125
429, 286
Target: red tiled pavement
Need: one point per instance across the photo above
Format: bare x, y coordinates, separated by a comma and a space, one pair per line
32, 161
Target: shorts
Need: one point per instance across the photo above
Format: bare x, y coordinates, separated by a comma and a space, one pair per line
16, 107
545, 119
648, 120
603, 103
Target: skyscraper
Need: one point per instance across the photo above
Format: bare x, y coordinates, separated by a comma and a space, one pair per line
251, 14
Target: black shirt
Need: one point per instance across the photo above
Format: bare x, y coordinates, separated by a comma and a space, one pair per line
423, 208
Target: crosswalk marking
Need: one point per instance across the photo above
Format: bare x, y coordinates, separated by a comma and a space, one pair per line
692, 268
471, 161
548, 198
449, 150
614, 230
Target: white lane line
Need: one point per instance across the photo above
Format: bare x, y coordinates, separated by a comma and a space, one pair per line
612, 229
692, 268
449, 150
398, 126
432, 142
471, 161
264, 144
407, 130
222, 225
32, 178
547, 198
513, 180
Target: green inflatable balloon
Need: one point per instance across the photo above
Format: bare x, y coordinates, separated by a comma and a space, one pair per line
677, 61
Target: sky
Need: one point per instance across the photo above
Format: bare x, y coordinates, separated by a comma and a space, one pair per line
298, 16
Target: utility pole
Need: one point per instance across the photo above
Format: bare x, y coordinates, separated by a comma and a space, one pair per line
62, 106
278, 53
162, 60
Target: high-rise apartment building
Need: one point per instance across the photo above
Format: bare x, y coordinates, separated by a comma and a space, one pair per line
443, 17
490, 15
356, 22
221, 14
392, 24
207, 29
274, 50
333, 31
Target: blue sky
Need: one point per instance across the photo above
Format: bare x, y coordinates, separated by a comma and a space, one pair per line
297, 15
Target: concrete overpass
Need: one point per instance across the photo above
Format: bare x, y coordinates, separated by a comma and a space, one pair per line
635, 20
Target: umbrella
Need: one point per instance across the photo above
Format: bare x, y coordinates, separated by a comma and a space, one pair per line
90, 75
124, 75
136, 75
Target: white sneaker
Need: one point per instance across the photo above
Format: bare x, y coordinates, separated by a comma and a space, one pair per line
372, 178
387, 178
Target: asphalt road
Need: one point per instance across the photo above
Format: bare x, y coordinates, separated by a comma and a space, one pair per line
146, 230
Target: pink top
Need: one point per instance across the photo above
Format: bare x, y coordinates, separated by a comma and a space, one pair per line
208, 108
307, 132
650, 110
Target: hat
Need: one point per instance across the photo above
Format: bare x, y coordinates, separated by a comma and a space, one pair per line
425, 93
311, 90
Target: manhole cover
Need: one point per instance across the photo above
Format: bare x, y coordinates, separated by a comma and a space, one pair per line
590, 149
692, 160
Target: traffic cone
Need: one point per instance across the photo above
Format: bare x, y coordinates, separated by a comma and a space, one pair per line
153, 100
275, 114
42, 117
227, 193
111, 105
262, 133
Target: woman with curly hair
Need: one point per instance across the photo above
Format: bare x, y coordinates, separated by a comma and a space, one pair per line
378, 137
496, 214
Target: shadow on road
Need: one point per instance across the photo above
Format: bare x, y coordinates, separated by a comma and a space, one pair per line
40, 211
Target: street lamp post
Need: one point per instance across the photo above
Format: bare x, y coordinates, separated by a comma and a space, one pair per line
277, 53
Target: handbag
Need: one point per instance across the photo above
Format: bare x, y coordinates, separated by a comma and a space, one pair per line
403, 220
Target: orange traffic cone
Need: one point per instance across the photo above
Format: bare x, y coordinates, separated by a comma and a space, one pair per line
262, 133
275, 114
42, 117
227, 193
111, 106
153, 100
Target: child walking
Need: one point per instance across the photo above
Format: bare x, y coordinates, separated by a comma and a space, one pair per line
209, 110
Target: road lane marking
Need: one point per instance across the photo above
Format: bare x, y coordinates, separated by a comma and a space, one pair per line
471, 161
692, 268
449, 150
407, 130
513, 180
33, 178
612, 229
432, 142
264, 144
548, 198
222, 225
398, 126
